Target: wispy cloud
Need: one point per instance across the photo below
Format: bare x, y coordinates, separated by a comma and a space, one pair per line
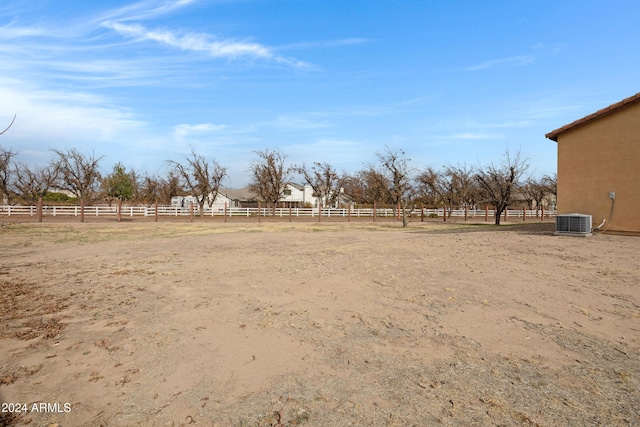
144, 10
13, 31
326, 43
474, 136
184, 130
542, 112
513, 61
298, 123
508, 125
64, 117
191, 41
121, 21
199, 42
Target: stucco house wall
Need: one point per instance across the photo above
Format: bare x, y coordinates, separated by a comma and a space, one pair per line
597, 155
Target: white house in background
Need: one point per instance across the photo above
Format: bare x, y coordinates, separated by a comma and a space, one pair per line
295, 194
183, 201
299, 195
219, 203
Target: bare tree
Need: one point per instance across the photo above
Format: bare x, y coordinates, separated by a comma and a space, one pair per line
269, 175
465, 184
453, 185
497, 182
150, 190
30, 184
353, 187
5, 172
201, 178
425, 193
155, 189
366, 186
535, 190
170, 188
77, 173
395, 166
5, 167
324, 181
551, 181
440, 185
134, 177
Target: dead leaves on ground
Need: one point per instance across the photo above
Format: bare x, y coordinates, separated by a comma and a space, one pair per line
28, 302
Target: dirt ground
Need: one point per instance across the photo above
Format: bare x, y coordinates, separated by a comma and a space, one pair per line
280, 324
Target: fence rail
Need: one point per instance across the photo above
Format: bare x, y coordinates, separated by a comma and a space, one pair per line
172, 211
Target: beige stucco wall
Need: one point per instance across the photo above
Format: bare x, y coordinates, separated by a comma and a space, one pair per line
597, 158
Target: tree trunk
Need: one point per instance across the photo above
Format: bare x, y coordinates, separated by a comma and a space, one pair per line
498, 214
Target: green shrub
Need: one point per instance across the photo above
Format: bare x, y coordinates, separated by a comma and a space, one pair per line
55, 197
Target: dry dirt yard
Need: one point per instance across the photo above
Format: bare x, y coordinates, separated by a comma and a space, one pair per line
280, 324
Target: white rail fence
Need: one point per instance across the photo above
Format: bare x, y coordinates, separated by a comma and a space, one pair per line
171, 211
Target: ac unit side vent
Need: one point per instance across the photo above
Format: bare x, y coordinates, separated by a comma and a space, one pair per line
573, 224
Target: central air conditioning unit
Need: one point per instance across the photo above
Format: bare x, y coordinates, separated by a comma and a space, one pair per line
573, 224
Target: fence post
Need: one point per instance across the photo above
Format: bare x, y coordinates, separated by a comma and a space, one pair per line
398, 212
156, 211
81, 210
542, 213
524, 213
506, 213
422, 213
486, 213
119, 210
349, 212
225, 211
374, 212
465, 212
191, 210
444, 213
319, 211
40, 209
258, 211
290, 211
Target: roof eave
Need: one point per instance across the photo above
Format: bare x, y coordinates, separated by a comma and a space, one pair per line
553, 135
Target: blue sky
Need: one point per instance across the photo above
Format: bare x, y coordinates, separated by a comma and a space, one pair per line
450, 82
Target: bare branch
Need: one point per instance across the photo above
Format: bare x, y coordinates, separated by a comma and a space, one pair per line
10, 124
324, 181
32, 183
5, 171
497, 182
199, 177
270, 176
395, 165
452, 185
78, 173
